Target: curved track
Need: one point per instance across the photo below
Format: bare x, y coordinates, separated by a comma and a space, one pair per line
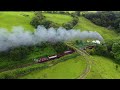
87, 58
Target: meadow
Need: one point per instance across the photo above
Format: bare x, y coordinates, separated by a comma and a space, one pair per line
64, 68
86, 25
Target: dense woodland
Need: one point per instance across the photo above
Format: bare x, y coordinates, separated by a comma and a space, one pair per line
108, 19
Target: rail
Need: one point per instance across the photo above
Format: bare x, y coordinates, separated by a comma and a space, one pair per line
87, 58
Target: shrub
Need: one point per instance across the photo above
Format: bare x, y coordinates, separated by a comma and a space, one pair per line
101, 49
116, 50
71, 24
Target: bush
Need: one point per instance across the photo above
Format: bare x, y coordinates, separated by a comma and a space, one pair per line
18, 53
116, 50
71, 24
60, 47
101, 49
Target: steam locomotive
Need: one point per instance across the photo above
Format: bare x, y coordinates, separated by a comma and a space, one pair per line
44, 59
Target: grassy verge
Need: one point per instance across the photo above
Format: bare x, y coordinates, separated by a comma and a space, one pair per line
6, 64
16, 73
69, 69
104, 68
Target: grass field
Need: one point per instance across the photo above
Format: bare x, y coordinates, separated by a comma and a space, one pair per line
71, 68
58, 18
10, 19
17, 72
104, 68
7, 64
85, 24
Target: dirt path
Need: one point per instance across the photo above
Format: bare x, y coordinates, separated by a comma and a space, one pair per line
87, 58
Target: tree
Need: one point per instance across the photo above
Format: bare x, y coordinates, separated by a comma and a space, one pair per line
101, 49
116, 50
18, 53
77, 13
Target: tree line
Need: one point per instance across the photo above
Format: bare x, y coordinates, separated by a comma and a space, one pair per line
23, 52
111, 49
40, 19
109, 19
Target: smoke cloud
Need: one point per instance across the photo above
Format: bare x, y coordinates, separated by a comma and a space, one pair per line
18, 36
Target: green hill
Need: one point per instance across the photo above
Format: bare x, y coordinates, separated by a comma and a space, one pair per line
85, 24
58, 18
10, 19
72, 68
103, 68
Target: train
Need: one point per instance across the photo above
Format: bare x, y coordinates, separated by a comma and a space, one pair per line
44, 59
89, 47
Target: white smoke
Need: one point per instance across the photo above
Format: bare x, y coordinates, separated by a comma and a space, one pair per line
18, 36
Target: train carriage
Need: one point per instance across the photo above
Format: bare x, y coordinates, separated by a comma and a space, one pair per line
43, 59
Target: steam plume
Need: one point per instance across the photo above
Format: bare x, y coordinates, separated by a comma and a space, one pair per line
18, 36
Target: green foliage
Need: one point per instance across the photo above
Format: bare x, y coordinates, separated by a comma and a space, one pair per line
58, 18
77, 13
85, 24
70, 66
109, 49
36, 67
18, 53
21, 71
103, 68
60, 47
71, 24
9, 19
109, 19
116, 50
101, 49
58, 12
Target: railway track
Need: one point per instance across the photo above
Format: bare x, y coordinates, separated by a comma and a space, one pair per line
86, 56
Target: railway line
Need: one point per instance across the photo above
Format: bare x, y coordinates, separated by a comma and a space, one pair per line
86, 56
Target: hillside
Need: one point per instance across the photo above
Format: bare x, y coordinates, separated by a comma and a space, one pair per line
85, 24
58, 18
102, 68
69, 66
10, 19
